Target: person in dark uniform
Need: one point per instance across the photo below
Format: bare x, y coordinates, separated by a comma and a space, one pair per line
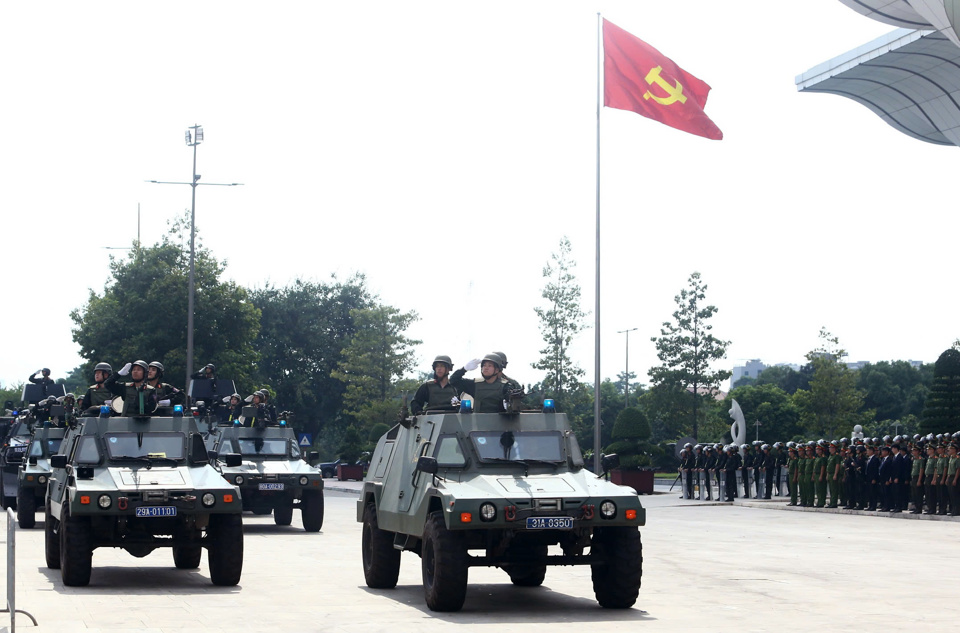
698, 464
769, 465
746, 469
489, 390
793, 470
887, 472
953, 477
721, 455
689, 468
757, 468
732, 464
233, 410
436, 393
709, 466
861, 484
780, 451
511, 383
139, 398
872, 477
97, 395
167, 394
896, 488
208, 371
45, 382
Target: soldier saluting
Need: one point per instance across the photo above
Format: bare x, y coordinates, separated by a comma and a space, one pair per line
139, 398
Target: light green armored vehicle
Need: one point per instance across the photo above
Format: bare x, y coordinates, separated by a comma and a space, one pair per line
272, 476
139, 484
495, 489
34, 473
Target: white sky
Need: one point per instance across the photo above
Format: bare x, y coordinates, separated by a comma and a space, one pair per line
444, 148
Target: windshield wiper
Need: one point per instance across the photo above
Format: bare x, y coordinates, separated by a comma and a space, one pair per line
149, 461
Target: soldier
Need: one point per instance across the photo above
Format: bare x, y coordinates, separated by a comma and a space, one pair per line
746, 469
806, 476
834, 473
689, 467
709, 466
698, 465
896, 487
930, 479
270, 411
436, 393
793, 468
863, 493
720, 467
511, 383
208, 371
769, 465
916, 480
167, 394
732, 464
887, 473
69, 403
97, 395
139, 398
820, 474
488, 391
943, 493
781, 453
45, 381
872, 475
234, 409
758, 458
952, 477
849, 478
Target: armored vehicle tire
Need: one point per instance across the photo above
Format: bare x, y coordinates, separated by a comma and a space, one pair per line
262, 511
311, 510
225, 551
283, 515
381, 562
616, 583
7, 502
529, 574
51, 541
26, 509
444, 565
76, 553
187, 556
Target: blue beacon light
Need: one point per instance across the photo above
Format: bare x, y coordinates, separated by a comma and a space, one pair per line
549, 406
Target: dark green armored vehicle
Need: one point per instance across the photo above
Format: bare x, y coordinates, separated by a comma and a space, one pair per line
495, 489
34, 473
13, 448
140, 483
272, 477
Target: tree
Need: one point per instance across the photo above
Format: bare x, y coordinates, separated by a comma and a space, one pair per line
560, 321
687, 347
787, 378
894, 389
377, 356
142, 314
630, 433
941, 413
831, 407
304, 329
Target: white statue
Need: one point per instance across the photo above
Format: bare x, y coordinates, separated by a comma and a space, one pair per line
857, 432
738, 430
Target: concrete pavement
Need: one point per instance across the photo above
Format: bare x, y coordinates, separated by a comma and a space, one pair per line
706, 568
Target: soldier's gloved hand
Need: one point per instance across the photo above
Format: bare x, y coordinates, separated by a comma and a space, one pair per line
164, 403
470, 365
125, 369
108, 402
454, 401
37, 372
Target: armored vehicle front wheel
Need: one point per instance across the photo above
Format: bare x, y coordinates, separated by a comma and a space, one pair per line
283, 515
76, 553
26, 509
51, 542
444, 565
528, 574
616, 577
381, 561
225, 549
311, 510
187, 556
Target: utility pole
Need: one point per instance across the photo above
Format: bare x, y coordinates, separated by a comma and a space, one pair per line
626, 372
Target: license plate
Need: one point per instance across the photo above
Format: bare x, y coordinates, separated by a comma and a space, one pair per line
549, 523
271, 486
157, 511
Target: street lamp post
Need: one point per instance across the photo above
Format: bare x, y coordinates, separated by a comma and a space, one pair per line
193, 138
626, 371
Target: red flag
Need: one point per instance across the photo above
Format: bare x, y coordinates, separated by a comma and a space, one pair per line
637, 77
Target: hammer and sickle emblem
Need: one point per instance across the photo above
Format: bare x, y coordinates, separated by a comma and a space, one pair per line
675, 92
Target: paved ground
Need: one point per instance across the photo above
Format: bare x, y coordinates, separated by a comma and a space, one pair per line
706, 568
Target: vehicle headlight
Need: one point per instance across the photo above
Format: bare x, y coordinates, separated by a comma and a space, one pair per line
304, 480
208, 499
238, 480
105, 501
608, 509
488, 512
42, 479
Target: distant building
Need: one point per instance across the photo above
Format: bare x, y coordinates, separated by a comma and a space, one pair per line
751, 370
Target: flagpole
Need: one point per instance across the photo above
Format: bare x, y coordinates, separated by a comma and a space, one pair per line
596, 311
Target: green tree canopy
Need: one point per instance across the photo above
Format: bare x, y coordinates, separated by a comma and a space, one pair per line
941, 413
142, 314
560, 321
771, 405
686, 348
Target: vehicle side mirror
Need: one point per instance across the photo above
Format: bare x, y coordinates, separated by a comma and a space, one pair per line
313, 457
212, 456
609, 462
428, 465
198, 450
233, 459
32, 460
58, 461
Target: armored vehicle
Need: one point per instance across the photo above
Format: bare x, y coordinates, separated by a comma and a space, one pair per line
139, 483
35, 471
12, 451
495, 489
273, 475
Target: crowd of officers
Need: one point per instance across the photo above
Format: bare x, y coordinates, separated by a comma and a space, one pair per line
141, 388
893, 474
